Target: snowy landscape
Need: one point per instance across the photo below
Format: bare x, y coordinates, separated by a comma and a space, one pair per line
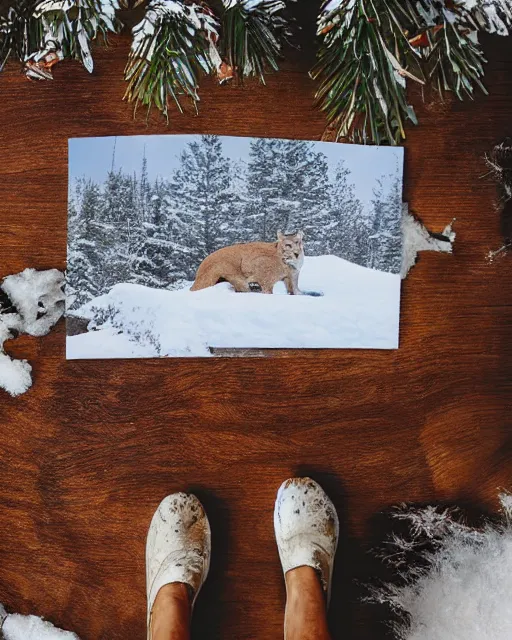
358, 308
145, 211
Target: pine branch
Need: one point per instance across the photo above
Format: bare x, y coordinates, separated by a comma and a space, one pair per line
70, 26
362, 68
252, 37
448, 49
368, 50
494, 16
370, 47
20, 32
173, 45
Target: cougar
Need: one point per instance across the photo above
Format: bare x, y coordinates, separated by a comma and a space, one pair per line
255, 266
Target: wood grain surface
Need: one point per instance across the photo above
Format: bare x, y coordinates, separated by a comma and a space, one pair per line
90, 451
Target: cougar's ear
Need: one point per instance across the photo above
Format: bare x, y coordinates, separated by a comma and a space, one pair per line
300, 235
280, 235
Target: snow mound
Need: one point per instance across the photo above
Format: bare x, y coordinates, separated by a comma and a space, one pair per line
35, 304
17, 627
38, 297
455, 580
114, 345
15, 375
357, 308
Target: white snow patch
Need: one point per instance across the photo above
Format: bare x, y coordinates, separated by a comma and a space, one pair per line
15, 375
271, 6
494, 16
17, 627
109, 7
38, 297
53, 5
416, 238
359, 308
39, 302
461, 588
332, 5
113, 345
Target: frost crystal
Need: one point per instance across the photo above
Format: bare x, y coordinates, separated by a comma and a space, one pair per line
460, 587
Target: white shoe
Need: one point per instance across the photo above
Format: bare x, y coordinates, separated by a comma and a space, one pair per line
178, 546
307, 528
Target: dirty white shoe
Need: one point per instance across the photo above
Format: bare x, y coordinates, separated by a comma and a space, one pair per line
178, 546
307, 528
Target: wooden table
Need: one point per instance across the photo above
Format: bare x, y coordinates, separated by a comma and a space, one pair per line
89, 452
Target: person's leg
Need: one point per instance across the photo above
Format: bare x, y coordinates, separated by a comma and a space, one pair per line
177, 562
307, 529
306, 611
171, 612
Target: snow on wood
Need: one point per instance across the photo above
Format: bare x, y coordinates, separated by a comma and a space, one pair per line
455, 581
15, 375
417, 237
36, 304
38, 297
18, 627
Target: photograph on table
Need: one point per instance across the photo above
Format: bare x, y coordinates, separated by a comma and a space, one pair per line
195, 245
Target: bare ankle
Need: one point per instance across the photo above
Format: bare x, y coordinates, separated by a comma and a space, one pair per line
170, 615
305, 617
175, 592
301, 579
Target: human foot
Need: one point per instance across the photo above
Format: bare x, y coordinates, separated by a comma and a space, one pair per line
178, 547
306, 608
307, 529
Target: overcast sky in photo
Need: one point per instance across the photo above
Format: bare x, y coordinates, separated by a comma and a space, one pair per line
93, 157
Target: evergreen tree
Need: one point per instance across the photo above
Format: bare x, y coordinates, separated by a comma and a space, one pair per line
262, 188
144, 191
121, 223
346, 233
155, 264
308, 187
234, 227
288, 188
385, 236
199, 199
85, 272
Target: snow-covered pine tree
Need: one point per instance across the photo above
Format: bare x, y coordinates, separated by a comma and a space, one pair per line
199, 200
120, 222
262, 188
306, 203
234, 228
385, 234
144, 191
154, 263
288, 188
74, 233
86, 277
346, 234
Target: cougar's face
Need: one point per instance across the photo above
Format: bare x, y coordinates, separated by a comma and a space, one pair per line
292, 248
